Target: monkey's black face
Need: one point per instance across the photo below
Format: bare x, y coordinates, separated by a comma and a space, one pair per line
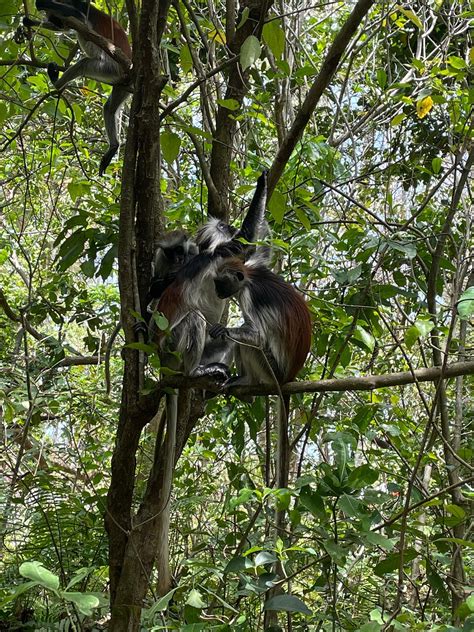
228, 283
175, 254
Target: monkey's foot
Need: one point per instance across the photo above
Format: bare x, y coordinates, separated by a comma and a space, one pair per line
53, 71
217, 370
140, 328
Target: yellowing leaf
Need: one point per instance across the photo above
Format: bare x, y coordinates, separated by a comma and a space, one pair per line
423, 106
471, 55
411, 15
217, 36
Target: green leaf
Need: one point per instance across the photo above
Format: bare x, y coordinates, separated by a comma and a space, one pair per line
287, 603
185, 58
363, 336
85, 602
411, 15
436, 165
351, 506
277, 206
161, 321
170, 144
397, 119
420, 329
38, 573
313, 502
408, 248
249, 52
274, 37
470, 603
265, 557
229, 104
379, 540
244, 18
162, 603
457, 62
392, 562
362, 476
195, 600
381, 78
237, 564
465, 304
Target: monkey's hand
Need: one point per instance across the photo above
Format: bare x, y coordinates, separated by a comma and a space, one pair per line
53, 71
140, 327
28, 22
218, 331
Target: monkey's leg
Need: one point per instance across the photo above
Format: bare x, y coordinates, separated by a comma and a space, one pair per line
112, 111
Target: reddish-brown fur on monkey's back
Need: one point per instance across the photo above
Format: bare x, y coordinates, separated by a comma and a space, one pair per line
270, 291
170, 301
106, 26
298, 326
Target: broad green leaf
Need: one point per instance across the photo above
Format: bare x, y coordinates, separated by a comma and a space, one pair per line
436, 165
397, 119
392, 562
229, 104
237, 564
274, 37
287, 603
351, 506
265, 557
379, 540
381, 78
420, 329
84, 602
170, 145
313, 502
337, 552
411, 15
457, 62
362, 476
408, 248
185, 58
244, 17
161, 321
162, 603
362, 335
38, 573
277, 206
466, 304
470, 603
249, 52
195, 600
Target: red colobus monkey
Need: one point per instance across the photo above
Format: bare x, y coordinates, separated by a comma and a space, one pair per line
96, 64
174, 249
190, 302
277, 322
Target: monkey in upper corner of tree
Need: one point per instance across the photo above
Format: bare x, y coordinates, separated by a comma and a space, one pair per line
96, 64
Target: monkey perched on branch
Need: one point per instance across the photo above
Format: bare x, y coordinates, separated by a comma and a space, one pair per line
97, 64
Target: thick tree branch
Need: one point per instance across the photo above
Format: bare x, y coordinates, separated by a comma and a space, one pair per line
367, 383
320, 84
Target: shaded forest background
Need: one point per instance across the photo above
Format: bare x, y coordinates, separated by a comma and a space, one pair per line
371, 217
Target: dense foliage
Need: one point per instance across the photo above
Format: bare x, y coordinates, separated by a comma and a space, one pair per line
372, 220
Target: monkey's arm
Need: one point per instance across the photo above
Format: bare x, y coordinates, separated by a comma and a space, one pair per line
247, 334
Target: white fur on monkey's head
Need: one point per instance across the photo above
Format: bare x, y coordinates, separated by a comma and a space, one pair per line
214, 233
